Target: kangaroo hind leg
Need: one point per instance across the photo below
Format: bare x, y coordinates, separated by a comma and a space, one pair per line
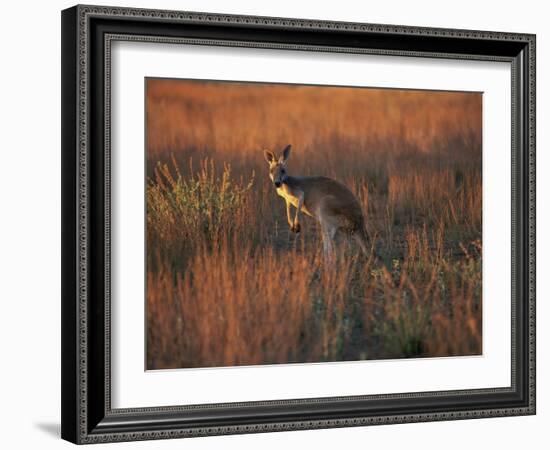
328, 233
329, 228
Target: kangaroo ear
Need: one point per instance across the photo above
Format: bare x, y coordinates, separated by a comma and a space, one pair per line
286, 154
269, 156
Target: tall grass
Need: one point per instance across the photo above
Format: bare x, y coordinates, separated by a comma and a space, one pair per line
243, 306
229, 284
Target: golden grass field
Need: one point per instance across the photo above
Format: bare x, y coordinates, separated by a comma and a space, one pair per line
229, 284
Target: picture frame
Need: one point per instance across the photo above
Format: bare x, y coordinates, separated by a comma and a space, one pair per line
87, 413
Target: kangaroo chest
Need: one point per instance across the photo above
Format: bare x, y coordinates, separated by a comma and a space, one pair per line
287, 193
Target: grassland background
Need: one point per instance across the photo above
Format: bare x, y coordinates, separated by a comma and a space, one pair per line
229, 284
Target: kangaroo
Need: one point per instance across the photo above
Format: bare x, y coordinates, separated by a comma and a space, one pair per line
331, 203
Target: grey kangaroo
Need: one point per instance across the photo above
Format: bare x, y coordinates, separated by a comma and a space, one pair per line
331, 203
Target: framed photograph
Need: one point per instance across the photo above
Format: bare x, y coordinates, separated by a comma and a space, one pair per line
278, 224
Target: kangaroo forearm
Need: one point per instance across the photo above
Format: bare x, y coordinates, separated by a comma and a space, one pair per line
299, 208
288, 214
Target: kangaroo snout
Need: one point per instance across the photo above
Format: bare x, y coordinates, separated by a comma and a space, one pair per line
277, 184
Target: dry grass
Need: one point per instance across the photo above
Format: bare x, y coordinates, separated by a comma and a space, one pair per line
228, 284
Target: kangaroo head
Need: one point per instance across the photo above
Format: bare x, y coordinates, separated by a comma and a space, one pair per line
277, 169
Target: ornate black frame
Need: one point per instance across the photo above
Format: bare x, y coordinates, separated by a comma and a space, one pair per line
87, 32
